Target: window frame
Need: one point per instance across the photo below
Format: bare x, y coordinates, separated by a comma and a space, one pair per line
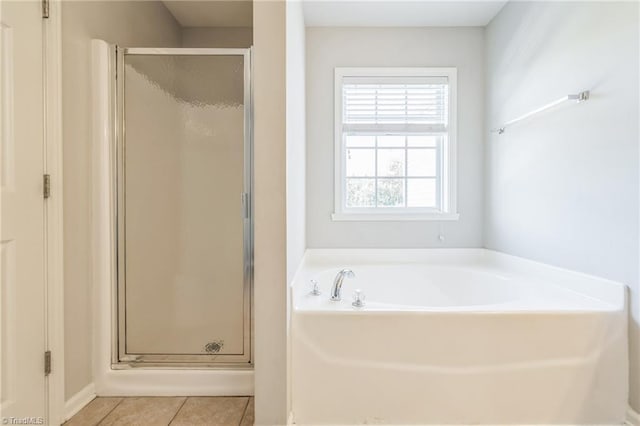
447, 165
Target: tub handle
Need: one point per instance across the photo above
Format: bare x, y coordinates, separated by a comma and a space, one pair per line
358, 299
315, 291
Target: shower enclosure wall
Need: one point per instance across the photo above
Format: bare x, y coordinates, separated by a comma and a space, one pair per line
172, 221
183, 217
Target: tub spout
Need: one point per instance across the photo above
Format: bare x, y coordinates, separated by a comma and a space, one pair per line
336, 290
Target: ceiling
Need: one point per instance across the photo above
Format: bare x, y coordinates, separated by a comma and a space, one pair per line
212, 13
348, 13
390, 13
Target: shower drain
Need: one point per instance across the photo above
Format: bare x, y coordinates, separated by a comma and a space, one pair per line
214, 347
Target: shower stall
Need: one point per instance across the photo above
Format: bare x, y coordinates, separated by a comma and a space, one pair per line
183, 175
173, 164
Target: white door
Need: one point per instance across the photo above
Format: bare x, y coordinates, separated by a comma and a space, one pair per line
22, 290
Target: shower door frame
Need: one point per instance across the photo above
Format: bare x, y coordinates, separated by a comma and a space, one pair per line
120, 359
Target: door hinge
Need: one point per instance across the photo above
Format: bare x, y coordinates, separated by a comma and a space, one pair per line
46, 186
45, 9
47, 363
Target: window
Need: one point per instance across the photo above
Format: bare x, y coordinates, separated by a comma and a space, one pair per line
395, 144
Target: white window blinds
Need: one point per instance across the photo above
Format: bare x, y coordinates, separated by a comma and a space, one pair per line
420, 102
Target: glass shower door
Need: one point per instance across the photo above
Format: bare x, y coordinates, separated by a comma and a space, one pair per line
184, 219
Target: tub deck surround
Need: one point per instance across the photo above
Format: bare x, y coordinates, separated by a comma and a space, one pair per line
456, 337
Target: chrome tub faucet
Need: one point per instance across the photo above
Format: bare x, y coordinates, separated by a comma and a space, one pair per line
336, 290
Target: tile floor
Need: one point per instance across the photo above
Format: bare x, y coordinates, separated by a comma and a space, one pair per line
163, 411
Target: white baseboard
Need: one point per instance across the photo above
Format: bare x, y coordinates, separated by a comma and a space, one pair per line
633, 417
79, 400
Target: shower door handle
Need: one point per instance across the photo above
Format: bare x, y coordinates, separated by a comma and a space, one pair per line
245, 205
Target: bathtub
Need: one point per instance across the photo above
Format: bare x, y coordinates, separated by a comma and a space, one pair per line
455, 337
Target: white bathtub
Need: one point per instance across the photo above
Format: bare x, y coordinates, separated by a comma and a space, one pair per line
456, 337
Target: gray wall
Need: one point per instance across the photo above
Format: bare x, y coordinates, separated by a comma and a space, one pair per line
328, 48
128, 24
562, 188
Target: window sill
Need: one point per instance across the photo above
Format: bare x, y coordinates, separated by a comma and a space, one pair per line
394, 217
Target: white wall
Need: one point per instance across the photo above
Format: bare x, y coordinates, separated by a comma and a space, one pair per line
562, 188
328, 48
296, 151
270, 284
128, 23
296, 138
